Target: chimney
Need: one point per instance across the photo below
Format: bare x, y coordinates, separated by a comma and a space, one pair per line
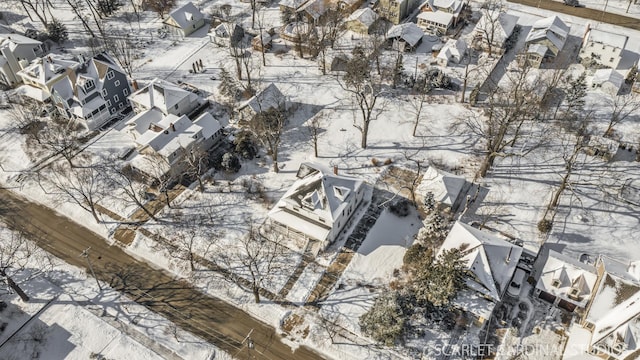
134, 83
173, 127
151, 104
335, 169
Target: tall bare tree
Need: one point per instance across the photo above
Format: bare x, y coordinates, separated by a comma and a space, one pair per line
61, 137
121, 47
40, 8
490, 27
268, 127
196, 164
622, 107
315, 128
127, 180
422, 89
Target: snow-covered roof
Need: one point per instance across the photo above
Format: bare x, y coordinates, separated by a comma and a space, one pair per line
469, 301
438, 17
503, 26
140, 123
409, 32
293, 4
491, 261
270, 97
33, 92
537, 49
606, 38
563, 275
208, 124
453, 49
315, 201
619, 328
453, 6
315, 8
15, 40
365, 16
161, 94
601, 76
186, 15
42, 70
552, 29
444, 186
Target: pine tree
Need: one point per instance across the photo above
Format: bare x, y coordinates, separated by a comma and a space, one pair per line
57, 31
437, 281
228, 85
384, 322
576, 91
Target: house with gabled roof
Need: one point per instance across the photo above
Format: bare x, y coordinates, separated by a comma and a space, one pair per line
405, 37
166, 97
603, 47
609, 80
545, 40
564, 281
438, 16
316, 207
452, 52
184, 20
41, 74
490, 262
448, 190
396, 10
16, 52
266, 99
362, 20
492, 31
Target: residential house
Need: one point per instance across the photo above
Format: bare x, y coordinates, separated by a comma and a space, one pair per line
94, 93
317, 207
603, 47
362, 20
545, 41
438, 16
347, 6
167, 97
171, 138
452, 52
16, 52
596, 145
396, 10
42, 73
292, 6
226, 34
405, 37
313, 10
262, 42
269, 98
564, 281
612, 316
609, 80
490, 262
448, 190
492, 31
184, 20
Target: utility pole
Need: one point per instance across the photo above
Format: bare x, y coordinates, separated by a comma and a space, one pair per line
250, 344
85, 254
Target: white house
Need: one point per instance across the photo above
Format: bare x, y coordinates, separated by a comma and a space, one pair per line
448, 190
406, 36
545, 40
16, 52
269, 98
227, 34
167, 97
492, 31
609, 80
604, 47
452, 52
184, 20
565, 281
316, 207
362, 20
438, 16
490, 262
42, 74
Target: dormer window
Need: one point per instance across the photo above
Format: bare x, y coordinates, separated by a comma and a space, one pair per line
89, 85
556, 283
110, 74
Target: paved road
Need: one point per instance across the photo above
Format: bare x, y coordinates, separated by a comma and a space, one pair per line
208, 317
587, 13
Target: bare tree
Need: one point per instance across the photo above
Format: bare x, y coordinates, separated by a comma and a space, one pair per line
190, 241
315, 128
268, 126
622, 107
17, 252
490, 27
422, 89
39, 8
123, 51
365, 90
127, 180
26, 119
161, 7
196, 163
78, 8
163, 177
81, 185
256, 258
61, 137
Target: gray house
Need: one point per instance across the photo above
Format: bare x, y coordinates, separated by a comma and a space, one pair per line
95, 92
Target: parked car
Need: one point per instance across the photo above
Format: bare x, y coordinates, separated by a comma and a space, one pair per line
516, 282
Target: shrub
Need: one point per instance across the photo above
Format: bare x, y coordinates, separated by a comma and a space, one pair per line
57, 31
400, 208
544, 226
245, 145
230, 163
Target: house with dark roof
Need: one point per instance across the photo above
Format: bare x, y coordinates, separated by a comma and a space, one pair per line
184, 20
317, 207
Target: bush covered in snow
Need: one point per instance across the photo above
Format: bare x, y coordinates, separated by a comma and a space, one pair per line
230, 163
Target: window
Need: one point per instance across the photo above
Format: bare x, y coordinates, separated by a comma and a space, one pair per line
120, 105
110, 75
555, 283
89, 85
116, 98
611, 60
104, 92
176, 107
116, 83
109, 103
125, 92
113, 110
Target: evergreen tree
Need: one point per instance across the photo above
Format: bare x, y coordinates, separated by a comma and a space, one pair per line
57, 31
384, 322
228, 85
437, 281
245, 145
575, 93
